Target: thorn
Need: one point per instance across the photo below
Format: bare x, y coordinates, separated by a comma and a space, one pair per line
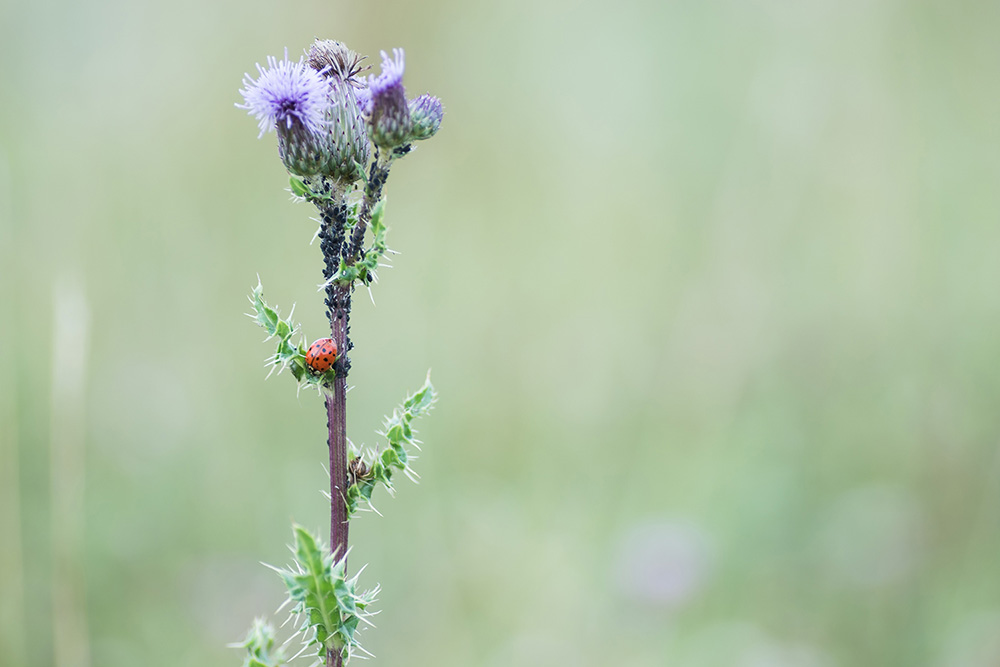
300, 652
359, 647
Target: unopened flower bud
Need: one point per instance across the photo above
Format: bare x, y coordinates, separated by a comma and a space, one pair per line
426, 113
348, 135
389, 113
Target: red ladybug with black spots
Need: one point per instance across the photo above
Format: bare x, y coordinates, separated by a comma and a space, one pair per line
321, 355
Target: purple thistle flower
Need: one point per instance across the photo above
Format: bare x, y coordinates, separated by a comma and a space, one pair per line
294, 99
427, 113
286, 93
389, 111
391, 78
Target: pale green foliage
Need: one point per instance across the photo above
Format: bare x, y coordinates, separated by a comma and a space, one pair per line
261, 651
368, 469
325, 602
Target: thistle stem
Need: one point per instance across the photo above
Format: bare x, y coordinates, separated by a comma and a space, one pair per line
338, 303
377, 176
336, 413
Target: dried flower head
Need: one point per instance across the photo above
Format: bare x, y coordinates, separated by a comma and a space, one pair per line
335, 60
388, 109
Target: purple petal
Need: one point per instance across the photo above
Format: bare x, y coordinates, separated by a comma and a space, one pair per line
286, 92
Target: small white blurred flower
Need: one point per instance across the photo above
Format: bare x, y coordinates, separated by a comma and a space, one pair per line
663, 562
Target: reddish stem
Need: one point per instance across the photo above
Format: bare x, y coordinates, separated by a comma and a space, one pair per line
336, 419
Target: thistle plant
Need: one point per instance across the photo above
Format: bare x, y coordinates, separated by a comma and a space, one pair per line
339, 132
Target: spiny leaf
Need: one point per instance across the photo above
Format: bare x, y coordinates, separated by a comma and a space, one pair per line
378, 468
287, 354
422, 400
265, 316
327, 603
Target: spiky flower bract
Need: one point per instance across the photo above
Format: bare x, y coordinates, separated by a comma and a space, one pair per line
427, 113
293, 99
350, 148
389, 112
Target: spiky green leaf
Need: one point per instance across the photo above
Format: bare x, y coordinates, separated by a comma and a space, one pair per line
398, 432
327, 603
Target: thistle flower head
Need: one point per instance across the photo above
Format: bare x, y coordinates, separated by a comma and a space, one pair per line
286, 94
427, 113
388, 110
334, 60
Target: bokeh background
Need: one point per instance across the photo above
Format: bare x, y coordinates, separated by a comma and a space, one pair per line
709, 290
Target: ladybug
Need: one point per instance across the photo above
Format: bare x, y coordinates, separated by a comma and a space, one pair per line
321, 355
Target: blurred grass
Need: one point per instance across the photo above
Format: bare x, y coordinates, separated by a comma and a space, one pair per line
708, 289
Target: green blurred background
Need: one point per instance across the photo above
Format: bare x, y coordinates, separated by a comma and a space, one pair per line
709, 290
